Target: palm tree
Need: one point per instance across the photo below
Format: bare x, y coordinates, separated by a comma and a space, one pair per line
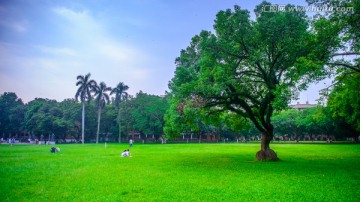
101, 99
84, 92
120, 95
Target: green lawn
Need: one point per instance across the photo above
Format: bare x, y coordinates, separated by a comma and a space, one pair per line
179, 172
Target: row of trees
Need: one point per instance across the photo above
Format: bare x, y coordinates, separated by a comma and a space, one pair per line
312, 122
145, 114
44, 117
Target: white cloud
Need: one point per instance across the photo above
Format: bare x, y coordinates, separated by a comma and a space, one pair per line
71, 15
99, 51
116, 52
84, 45
80, 22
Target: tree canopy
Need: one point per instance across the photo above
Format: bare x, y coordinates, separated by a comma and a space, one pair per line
247, 67
146, 113
12, 112
338, 34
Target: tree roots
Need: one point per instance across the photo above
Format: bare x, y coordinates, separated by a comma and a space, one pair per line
267, 155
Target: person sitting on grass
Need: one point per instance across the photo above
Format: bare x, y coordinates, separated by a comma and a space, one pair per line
126, 153
53, 149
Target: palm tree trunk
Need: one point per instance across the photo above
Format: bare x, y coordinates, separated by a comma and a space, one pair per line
98, 128
83, 123
119, 119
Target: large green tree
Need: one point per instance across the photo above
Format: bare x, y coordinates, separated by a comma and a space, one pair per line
86, 85
34, 115
109, 123
102, 98
286, 123
120, 95
12, 111
146, 114
127, 120
338, 34
248, 67
344, 101
45, 117
71, 111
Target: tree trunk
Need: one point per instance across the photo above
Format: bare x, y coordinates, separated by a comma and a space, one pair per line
83, 123
98, 128
119, 118
266, 154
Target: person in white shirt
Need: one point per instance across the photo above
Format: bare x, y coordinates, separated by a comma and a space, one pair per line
126, 153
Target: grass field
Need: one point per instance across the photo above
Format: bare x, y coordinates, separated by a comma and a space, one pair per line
179, 172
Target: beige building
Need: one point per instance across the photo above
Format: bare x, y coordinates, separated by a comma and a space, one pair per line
299, 106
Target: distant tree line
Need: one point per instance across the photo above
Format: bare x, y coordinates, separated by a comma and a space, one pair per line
311, 123
43, 117
145, 114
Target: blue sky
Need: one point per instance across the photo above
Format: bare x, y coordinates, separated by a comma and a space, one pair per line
45, 44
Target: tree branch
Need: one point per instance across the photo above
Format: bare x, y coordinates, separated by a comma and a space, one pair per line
355, 68
346, 53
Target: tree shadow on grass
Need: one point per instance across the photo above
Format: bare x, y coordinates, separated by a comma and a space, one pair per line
217, 161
